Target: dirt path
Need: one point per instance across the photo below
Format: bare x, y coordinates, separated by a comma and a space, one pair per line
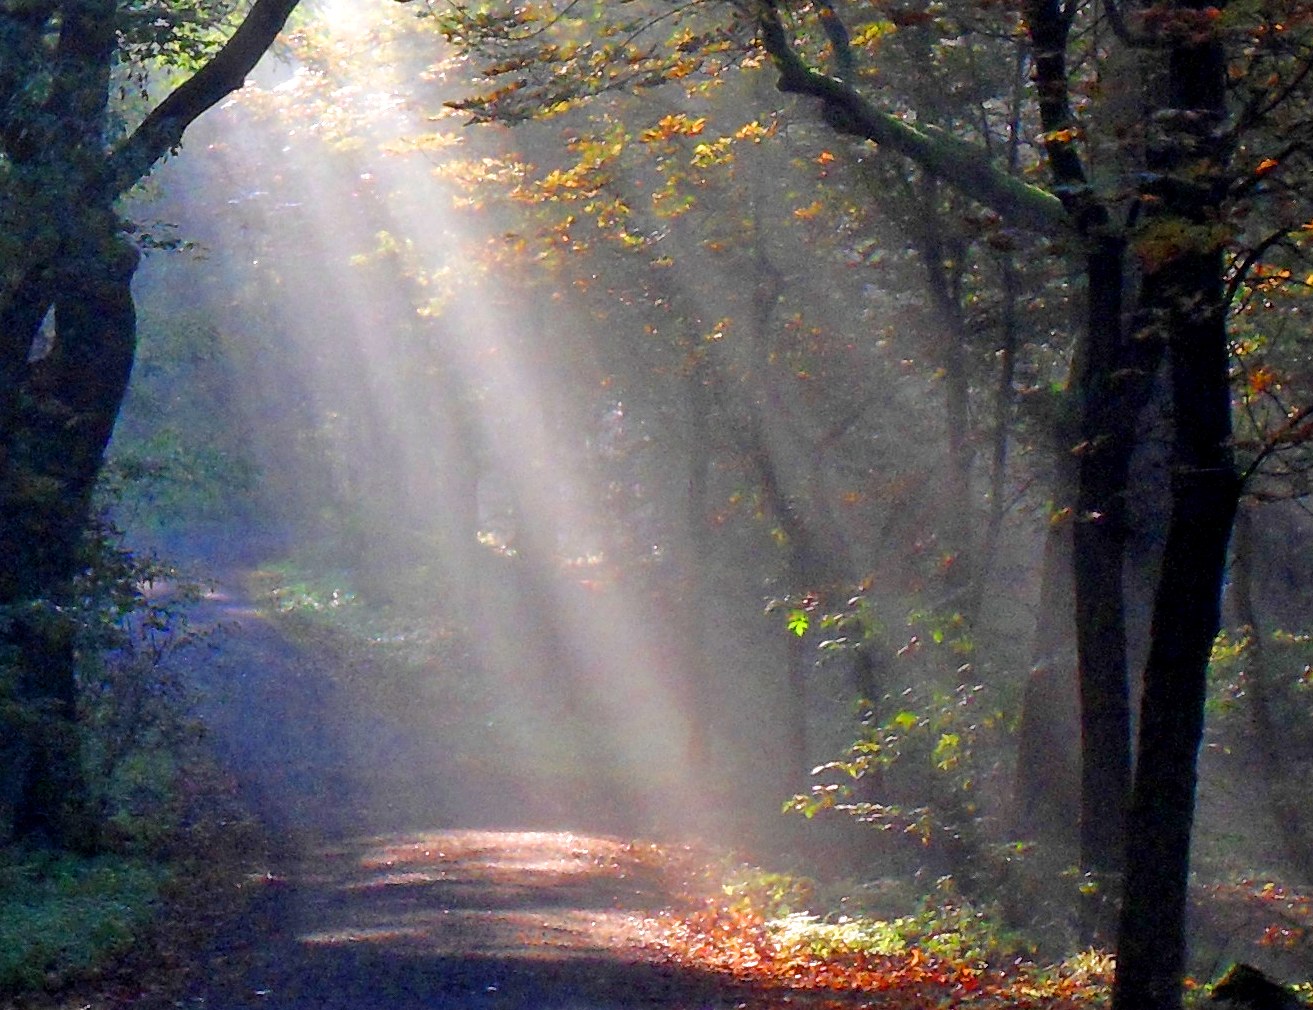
451, 915
461, 919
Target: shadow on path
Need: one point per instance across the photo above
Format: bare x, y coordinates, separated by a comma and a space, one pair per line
460, 919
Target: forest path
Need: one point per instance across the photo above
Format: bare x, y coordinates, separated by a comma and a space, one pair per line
362, 909
499, 920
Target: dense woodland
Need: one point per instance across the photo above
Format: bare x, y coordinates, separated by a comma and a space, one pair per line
894, 412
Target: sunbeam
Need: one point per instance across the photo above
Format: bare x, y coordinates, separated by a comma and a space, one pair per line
458, 415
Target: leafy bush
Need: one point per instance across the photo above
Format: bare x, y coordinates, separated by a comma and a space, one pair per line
917, 770
945, 926
142, 746
772, 895
167, 813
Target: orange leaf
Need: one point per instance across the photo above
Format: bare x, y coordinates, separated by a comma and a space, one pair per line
1261, 379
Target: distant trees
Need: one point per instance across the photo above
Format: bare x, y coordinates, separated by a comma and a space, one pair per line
68, 326
1170, 191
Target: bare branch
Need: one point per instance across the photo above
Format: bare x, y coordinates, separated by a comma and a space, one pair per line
1240, 269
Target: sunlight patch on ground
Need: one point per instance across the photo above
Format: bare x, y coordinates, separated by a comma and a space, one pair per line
529, 895
561, 853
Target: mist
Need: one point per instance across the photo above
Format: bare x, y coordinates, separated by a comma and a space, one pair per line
498, 458
625, 466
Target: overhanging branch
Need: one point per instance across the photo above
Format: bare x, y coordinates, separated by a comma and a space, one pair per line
960, 164
162, 129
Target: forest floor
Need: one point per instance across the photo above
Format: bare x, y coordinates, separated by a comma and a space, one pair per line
454, 918
405, 868
348, 908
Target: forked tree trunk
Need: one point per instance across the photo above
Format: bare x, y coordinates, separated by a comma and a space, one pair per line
1182, 297
56, 444
1187, 614
58, 404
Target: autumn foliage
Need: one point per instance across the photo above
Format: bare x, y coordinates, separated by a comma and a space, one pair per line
736, 940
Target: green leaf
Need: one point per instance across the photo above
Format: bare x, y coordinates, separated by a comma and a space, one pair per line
798, 622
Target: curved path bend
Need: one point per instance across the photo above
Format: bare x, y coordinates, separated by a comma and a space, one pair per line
358, 914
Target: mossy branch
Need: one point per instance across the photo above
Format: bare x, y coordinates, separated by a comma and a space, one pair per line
957, 162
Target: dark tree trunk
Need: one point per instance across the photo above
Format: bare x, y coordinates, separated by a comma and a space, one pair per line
1113, 377
58, 403
1187, 614
56, 444
1110, 396
1183, 299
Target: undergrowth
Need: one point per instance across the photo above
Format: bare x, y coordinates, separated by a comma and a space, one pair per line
172, 838
775, 931
62, 916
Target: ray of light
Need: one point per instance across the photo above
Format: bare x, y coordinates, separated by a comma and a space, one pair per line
634, 724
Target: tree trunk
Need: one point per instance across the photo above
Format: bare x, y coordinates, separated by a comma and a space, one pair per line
1285, 800
943, 264
691, 590
1183, 299
56, 444
58, 404
1151, 943
1048, 767
1110, 400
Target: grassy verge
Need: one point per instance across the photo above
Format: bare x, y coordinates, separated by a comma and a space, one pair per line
63, 918
73, 929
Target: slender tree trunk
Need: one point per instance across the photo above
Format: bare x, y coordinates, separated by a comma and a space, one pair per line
943, 269
1109, 408
1005, 395
696, 653
1048, 759
1285, 800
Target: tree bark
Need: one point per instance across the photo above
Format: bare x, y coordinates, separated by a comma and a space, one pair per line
67, 415
1184, 299
58, 404
1187, 614
1047, 786
1107, 432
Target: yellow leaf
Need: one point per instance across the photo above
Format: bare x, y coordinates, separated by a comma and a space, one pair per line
1064, 136
672, 125
753, 131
